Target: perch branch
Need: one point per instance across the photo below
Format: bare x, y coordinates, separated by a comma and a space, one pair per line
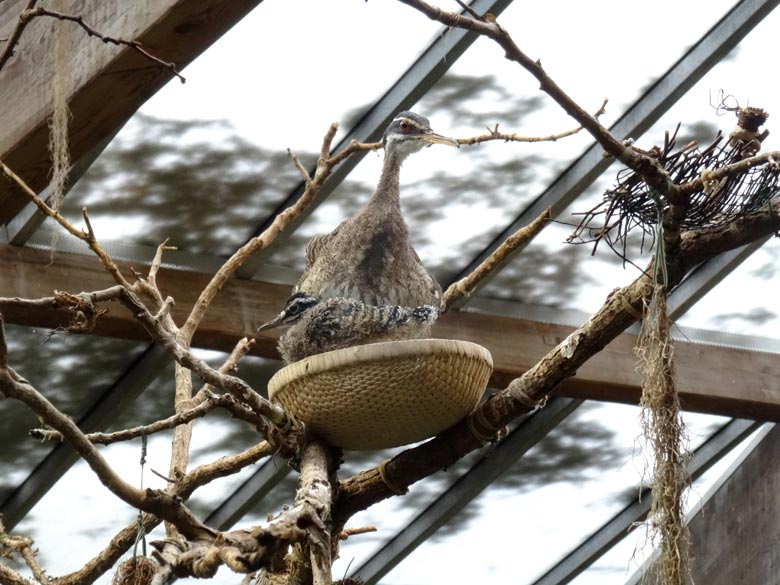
10, 577
468, 285
369, 487
22, 545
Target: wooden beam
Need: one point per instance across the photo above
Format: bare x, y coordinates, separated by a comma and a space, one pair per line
719, 380
108, 82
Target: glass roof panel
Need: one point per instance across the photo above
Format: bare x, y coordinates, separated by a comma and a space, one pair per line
574, 480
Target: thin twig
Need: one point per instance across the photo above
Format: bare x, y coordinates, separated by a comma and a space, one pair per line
13, 40
347, 532
494, 134
30, 13
299, 166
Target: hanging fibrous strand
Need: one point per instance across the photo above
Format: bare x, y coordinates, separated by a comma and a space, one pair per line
664, 434
58, 124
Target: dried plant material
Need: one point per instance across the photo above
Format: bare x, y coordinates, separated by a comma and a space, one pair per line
58, 124
664, 432
135, 571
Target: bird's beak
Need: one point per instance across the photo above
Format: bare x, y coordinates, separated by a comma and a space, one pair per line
273, 322
434, 138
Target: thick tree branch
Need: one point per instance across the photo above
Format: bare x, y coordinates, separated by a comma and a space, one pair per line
617, 313
23, 546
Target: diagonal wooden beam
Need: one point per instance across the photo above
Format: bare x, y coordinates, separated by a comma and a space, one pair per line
714, 379
109, 82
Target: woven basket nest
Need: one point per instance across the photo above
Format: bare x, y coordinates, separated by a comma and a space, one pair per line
384, 394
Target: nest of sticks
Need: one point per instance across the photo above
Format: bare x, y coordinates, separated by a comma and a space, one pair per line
632, 207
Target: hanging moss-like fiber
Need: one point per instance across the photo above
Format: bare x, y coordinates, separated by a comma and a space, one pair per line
665, 434
58, 124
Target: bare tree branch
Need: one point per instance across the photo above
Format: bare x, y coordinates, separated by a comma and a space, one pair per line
31, 12
226, 401
487, 26
13, 40
157, 502
494, 134
23, 546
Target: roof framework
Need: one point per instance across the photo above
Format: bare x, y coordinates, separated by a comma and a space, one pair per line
612, 378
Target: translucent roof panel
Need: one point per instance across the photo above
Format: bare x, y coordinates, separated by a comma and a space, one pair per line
205, 163
552, 273
580, 475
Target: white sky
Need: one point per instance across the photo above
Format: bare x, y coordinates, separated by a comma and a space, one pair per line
290, 68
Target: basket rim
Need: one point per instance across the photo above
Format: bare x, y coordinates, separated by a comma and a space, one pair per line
373, 352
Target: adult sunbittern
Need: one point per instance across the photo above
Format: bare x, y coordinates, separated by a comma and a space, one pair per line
319, 326
368, 257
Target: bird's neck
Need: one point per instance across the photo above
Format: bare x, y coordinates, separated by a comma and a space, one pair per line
387, 190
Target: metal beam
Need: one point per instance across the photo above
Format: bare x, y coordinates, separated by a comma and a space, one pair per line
670, 87
709, 453
527, 434
111, 403
429, 67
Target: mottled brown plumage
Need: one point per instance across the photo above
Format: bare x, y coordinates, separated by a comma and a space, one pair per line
368, 257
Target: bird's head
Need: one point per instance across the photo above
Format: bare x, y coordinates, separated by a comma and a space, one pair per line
293, 310
409, 132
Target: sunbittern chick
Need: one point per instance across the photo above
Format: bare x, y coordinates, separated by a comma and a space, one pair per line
319, 326
368, 257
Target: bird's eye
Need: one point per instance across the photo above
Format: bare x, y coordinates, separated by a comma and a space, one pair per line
405, 126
